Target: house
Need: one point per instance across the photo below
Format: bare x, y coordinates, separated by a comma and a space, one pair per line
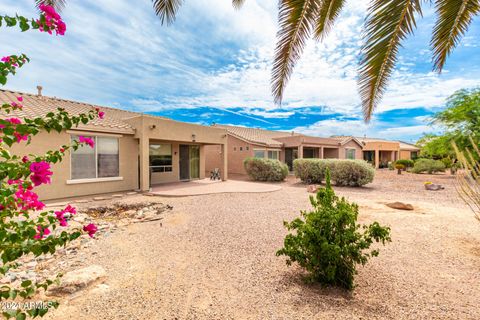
284, 146
380, 151
133, 151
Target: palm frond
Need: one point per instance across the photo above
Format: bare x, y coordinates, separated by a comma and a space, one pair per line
452, 23
296, 20
59, 5
328, 13
388, 23
167, 9
237, 4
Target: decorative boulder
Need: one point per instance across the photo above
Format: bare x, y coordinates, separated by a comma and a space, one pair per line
312, 188
400, 206
76, 280
433, 187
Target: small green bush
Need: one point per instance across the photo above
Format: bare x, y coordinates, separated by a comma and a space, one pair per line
328, 243
447, 162
265, 169
353, 173
428, 165
406, 162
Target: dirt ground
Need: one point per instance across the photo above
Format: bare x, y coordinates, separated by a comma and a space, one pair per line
213, 257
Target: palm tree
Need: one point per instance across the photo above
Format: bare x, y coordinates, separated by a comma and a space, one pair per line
388, 23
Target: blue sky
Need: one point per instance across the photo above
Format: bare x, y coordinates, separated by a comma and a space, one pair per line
213, 65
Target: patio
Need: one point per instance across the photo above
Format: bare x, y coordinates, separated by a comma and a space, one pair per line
207, 186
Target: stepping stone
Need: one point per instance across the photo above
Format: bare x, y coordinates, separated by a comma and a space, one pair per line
400, 206
117, 196
82, 201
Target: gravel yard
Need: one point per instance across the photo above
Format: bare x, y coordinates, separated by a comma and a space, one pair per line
213, 257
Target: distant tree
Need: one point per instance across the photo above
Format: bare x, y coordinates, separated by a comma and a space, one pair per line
388, 24
461, 120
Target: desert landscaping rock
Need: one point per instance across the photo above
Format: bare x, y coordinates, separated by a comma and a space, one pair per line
433, 187
400, 206
74, 281
214, 258
312, 188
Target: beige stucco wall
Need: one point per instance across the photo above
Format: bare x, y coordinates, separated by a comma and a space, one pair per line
330, 153
351, 145
405, 154
236, 156
128, 161
381, 145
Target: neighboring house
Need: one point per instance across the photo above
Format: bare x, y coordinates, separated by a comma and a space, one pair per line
133, 151
284, 146
380, 152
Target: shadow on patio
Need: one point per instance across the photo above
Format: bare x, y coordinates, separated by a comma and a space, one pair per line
207, 186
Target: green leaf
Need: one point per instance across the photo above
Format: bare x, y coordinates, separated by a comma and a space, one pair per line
26, 283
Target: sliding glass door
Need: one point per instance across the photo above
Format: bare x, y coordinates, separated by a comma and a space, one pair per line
189, 162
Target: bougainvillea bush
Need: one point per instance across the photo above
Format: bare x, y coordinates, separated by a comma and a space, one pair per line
25, 226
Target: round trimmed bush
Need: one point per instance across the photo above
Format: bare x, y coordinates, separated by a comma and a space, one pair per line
353, 173
428, 165
311, 170
260, 169
406, 162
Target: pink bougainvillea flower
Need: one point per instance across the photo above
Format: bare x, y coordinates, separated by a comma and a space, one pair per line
70, 209
53, 21
14, 120
62, 150
88, 141
101, 115
91, 229
41, 173
20, 98
24, 159
41, 232
20, 137
61, 218
6, 59
27, 199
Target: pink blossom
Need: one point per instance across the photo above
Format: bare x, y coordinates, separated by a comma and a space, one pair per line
20, 137
6, 59
20, 98
101, 115
70, 209
24, 159
61, 219
88, 141
28, 200
91, 229
42, 232
62, 150
14, 120
41, 172
53, 21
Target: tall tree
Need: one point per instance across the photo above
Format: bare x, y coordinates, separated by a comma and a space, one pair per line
388, 24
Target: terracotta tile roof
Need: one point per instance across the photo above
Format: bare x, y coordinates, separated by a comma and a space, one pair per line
37, 106
257, 136
403, 145
408, 146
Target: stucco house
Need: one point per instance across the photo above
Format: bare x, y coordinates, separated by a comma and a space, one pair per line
380, 152
284, 146
133, 151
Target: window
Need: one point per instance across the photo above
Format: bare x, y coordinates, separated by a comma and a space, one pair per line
102, 161
350, 154
273, 154
247, 148
414, 155
259, 153
241, 148
160, 157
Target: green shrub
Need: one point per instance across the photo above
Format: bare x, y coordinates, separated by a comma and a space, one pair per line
265, 169
311, 170
428, 165
447, 162
406, 162
328, 243
353, 173
344, 172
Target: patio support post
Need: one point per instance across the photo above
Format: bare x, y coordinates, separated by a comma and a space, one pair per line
225, 162
144, 164
377, 158
300, 152
321, 156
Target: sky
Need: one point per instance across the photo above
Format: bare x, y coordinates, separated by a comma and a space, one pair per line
213, 66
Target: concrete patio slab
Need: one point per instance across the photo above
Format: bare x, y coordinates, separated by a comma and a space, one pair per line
207, 186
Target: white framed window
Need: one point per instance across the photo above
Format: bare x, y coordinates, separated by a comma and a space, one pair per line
160, 155
274, 154
259, 153
102, 161
350, 154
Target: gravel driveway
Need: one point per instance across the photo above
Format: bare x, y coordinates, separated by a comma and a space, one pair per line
213, 257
